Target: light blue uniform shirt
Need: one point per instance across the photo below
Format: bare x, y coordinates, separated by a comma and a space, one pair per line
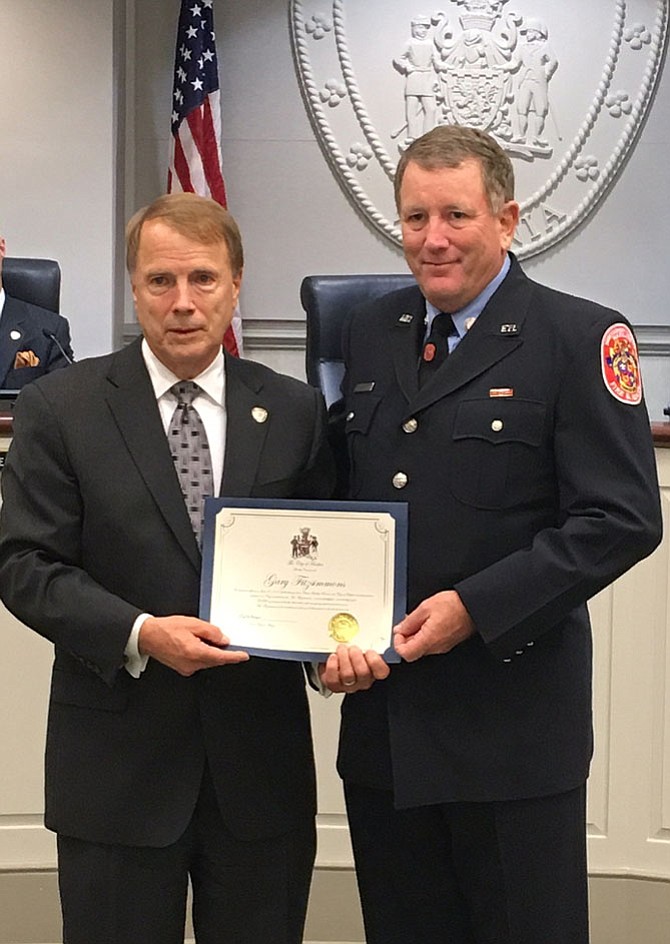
470, 312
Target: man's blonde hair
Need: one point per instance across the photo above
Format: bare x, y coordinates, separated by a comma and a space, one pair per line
198, 218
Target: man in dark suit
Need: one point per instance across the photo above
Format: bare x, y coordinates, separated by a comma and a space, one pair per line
168, 755
33, 341
510, 418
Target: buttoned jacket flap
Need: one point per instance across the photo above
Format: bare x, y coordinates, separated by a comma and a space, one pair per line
500, 420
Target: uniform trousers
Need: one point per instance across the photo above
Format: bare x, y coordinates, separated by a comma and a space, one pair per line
509, 872
243, 892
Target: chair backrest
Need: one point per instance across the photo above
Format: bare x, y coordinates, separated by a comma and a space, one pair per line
36, 281
327, 300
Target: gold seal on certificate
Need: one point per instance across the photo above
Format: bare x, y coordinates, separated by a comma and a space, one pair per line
342, 627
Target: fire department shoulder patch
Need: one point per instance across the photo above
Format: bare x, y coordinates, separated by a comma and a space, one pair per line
620, 364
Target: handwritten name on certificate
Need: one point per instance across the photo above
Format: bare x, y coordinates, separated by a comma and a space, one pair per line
293, 580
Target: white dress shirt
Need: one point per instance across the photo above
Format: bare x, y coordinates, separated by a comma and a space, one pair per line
211, 406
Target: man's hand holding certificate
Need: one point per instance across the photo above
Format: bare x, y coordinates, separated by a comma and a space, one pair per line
296, 580
350, 670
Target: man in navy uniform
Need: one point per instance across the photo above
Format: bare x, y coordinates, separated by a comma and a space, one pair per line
33, 341
510, 418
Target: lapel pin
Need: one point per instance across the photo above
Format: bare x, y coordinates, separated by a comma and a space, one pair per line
259, 413
469, 323
508, 329
406, 318
429, 352
15, 335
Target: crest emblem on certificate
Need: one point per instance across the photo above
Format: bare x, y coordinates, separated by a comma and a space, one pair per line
304, 545
564, 88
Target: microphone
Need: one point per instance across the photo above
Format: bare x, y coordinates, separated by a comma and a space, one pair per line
52, 337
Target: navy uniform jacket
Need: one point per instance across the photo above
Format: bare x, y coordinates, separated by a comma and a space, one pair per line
94, 531
29, 322
527, 504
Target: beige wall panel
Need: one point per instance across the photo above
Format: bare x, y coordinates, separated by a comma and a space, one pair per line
24, 690
600, 609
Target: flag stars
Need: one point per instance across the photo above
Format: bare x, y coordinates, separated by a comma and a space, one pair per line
196, 73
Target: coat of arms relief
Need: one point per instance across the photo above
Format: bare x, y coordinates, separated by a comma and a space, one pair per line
563, 88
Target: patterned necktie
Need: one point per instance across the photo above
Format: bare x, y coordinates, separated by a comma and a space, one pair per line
190, 452
436, 349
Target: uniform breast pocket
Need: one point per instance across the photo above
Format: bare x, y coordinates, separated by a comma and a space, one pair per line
497, 456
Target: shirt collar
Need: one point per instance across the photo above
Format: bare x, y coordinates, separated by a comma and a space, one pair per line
465, 318
2, 299
212, 380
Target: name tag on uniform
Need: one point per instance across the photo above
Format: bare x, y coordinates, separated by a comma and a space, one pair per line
367, 387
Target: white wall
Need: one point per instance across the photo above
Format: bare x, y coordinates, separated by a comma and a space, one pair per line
57, 151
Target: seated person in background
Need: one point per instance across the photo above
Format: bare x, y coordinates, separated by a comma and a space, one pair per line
33, 341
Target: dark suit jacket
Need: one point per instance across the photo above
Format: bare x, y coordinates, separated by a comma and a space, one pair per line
527, 505
94, 531
30, 322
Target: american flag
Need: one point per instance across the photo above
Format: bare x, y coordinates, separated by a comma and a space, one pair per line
195, 162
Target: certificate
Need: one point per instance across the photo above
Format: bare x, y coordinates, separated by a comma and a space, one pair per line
294, 579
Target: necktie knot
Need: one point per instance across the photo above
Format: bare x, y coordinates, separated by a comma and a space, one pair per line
185, 391
443, 325
436, 347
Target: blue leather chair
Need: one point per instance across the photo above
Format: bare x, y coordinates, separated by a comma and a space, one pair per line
36, 281
327, 300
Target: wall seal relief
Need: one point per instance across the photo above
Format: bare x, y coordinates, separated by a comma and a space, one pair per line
564, 88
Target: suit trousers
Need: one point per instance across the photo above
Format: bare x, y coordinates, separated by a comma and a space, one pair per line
243, 892
509, 872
